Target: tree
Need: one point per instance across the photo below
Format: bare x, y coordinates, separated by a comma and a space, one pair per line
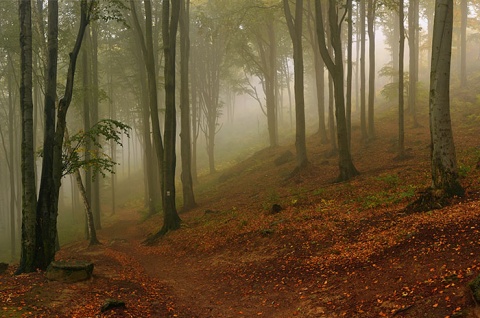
185, 134
443, 156
401, 121
413, 45
295, 26
372, 4
363, 107
170, 19
99, 162
146, 43
319, 75
463, 44
335, 68
46, 196
148, 108
29, 198
46, 235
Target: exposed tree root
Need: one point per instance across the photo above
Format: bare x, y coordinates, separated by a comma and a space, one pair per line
429, 199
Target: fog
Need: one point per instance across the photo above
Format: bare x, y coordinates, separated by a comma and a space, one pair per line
241, 127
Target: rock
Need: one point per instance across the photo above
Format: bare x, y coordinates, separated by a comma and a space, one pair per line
3, 268
276, 208
69, 271
112, 303
285, 157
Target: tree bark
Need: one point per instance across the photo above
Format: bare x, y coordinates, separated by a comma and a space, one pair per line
295, 26
29, 200
171, 220
371, 74
413, 45
335, 67
363, 85
443, 156
46, 217
401, 121
185, 134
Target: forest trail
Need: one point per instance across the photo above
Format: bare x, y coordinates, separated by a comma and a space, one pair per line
197, 281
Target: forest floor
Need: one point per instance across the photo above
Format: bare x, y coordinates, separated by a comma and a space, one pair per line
349, 249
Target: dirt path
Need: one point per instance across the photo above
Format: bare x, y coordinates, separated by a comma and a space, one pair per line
204, 284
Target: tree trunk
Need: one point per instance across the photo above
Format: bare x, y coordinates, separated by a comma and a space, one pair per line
319, 77
413, 45
295, 26
92, 233
185, 134
87, 99
401, 121
463, 43
171, 220
29, 229
443, 156
348, 105
371, 73
363, 106
94, 118
46, 216
335, 67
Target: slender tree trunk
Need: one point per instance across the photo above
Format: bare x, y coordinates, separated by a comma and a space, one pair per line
319, 77
94, 117
10, 160
443, 156
401, 121
185, 134
413, 45
463, 43
171, 220
295, 26
348, 105
86, 116
92, 234
371, 75
335, 67
46, 214
363, 106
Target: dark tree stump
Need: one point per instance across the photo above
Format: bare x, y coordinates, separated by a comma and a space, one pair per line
285, 157
69, 271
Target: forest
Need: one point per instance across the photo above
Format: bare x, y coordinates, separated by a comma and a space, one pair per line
215, 158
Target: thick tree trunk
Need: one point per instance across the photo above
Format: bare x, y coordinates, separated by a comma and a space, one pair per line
185, 134
443, 156
29, 200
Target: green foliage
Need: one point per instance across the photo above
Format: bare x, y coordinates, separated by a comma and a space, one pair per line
463, 170
109, 10
386, 198
390, 179
100, 162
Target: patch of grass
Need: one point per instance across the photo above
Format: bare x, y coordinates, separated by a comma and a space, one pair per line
391, 180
